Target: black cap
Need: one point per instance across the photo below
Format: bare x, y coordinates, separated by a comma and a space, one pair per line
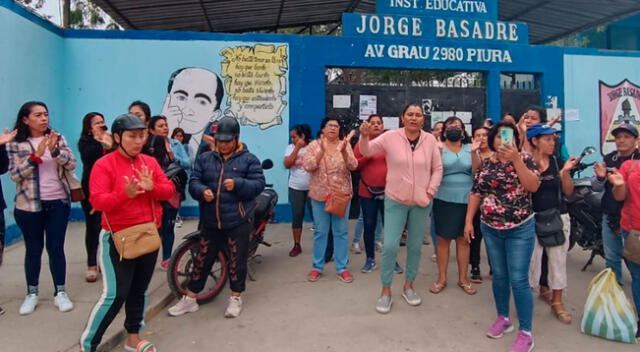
626, 127
228, 129
126, 122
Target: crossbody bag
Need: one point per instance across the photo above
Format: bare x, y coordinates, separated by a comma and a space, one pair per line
549, 227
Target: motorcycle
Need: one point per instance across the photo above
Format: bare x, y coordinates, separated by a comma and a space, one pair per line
585, 211
182, 261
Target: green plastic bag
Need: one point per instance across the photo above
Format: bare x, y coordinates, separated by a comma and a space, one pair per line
607, 312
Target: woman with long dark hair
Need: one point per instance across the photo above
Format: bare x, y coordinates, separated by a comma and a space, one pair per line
142, 110
450, 204
373, 174
502, 192
480, 151
94, 142
127, 187
166, 152
414, 167
38, 156
298, 181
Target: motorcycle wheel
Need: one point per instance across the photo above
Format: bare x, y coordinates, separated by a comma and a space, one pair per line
181, 266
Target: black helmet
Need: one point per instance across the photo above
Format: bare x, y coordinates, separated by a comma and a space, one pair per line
126, 122
228, 129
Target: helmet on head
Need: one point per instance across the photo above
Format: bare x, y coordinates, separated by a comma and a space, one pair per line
228, 129
126, 122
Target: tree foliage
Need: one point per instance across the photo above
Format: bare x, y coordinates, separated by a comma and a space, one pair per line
84, 14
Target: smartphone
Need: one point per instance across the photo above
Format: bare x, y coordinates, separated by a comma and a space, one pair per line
506, 136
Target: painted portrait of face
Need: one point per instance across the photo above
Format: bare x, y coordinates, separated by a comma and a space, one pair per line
193, 101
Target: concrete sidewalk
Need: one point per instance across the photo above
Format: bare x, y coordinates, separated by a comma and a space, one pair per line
49, 330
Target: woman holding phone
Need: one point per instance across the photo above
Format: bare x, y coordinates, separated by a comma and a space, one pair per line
502, 191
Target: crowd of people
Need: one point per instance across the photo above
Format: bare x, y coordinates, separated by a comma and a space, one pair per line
501, 183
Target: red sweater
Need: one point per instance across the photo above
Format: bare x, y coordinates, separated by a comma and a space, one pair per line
373, 171
107, 189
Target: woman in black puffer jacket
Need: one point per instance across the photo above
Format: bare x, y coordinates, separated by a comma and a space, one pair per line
226, 183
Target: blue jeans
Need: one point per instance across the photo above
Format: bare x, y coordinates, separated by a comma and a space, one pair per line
510, 255
169, 214
372, 210
322, 222
51, 220
634, 269
359, 229
612, 244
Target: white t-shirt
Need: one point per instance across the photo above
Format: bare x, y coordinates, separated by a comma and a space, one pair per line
298, 177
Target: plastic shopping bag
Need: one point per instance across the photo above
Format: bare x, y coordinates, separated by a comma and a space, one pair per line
607, 312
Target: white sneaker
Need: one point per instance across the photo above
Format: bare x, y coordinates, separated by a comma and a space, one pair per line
29, 304
178, 221
185, 305
63, 302
379, 246
234, 308
355, 248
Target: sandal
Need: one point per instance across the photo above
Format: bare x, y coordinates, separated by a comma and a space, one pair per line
91, 276
467, 288
437, 288
546, 294
143, 346
561, 314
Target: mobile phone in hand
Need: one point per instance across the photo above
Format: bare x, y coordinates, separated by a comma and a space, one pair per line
506, 136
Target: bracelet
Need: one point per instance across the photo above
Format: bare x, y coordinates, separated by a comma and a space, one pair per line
36, 159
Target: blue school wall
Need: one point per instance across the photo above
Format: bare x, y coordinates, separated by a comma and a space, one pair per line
583, 73
106, 70
30, 69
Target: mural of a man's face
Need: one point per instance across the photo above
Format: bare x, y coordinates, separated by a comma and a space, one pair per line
191, 103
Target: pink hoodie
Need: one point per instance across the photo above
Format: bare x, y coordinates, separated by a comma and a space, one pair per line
413, 177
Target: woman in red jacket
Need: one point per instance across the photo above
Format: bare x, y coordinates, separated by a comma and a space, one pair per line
127, 188
373, 173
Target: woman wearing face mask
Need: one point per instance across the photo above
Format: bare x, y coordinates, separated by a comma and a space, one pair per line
94, 142
450, 204
127, 187
414, 172
36, 157
166, 152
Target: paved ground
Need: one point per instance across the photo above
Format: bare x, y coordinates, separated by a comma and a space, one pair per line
284, 312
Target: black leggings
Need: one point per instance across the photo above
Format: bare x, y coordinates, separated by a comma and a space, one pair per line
125, 282
476, 242
92, 232
211, 242
299, 201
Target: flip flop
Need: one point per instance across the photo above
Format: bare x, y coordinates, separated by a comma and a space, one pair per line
143, 346
467, 288
437, 288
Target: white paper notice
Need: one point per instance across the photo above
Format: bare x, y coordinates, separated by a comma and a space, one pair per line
391, 123
368, 106
341, 101
572, 115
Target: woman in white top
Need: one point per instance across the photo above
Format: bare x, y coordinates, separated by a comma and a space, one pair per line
298, 181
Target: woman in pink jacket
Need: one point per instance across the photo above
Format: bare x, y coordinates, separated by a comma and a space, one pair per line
414, 173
